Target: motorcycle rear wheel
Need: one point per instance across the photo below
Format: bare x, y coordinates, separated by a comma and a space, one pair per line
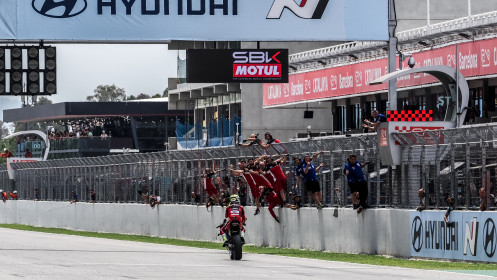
236, 253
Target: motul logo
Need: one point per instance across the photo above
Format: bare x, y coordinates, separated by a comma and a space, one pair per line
256, 70
311, 9
256, 64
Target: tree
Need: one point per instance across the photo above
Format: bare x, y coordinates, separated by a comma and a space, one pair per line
157, 95
4, 130
165, 93
43, 101
106, 93
131, 97
143, 96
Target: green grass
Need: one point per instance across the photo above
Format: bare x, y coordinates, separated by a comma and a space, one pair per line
351, 258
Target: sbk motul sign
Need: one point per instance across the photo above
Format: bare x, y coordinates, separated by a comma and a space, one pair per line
256, 64
237, 66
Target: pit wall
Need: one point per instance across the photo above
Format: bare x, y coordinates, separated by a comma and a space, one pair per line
375, 231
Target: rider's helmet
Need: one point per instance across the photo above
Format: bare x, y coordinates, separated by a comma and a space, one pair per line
234, 199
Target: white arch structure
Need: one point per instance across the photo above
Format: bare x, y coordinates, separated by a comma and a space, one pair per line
10, 160
449, 77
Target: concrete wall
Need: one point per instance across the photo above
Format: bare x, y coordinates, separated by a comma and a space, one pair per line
375, 231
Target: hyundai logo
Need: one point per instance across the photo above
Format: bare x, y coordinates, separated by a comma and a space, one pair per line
416, 231
489, 237
59, 9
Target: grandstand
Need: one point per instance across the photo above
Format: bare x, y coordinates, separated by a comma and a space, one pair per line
79, 129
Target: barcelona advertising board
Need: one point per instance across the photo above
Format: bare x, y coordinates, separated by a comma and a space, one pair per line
206, 20
237, 66
476, 58
468, 236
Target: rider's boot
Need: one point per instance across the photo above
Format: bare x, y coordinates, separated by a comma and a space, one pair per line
225, 239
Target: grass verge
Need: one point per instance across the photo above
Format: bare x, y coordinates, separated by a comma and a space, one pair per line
350, 258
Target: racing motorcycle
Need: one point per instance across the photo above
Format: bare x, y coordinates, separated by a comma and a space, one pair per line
234, 241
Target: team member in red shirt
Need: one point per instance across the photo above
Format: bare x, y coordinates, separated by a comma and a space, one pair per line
28, 154
274, 169
272, 198
4, 195
6, 153
209, 186
13, 195
245, 173
234, 212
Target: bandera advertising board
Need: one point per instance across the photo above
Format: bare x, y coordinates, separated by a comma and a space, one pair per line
208, 20
232, 66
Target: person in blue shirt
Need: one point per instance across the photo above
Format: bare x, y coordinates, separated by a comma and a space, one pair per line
357, 183
373, 125
308, 171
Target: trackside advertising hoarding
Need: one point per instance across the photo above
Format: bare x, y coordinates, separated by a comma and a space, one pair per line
475, 59
237, 66
468, 236
208, 20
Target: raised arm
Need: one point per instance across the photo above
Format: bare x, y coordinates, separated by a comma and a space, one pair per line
316, 154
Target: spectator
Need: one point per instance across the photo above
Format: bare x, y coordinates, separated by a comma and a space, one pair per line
74, 197
28, 154
251, 141
269, 138
13, 195
450, 207
296, 199
196, 197
144, 193
357, 183
378, 118
154, 200
224, 197
6, 153
103, 135
93, 196
37, 194
311, 182
4, 196
483, 199
422, 200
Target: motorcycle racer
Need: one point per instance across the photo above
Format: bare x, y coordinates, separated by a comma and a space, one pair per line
234, 212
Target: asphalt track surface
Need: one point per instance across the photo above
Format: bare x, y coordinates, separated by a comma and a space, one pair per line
34, 255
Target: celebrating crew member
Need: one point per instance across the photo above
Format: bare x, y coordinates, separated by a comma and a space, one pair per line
209, 186
270, 140
274, 169
272, 198
244, 172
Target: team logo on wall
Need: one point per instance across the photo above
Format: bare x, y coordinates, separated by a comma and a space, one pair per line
59, 9
416, 234
310, 9
489, 238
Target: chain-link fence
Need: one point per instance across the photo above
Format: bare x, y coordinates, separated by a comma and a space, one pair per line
455, 162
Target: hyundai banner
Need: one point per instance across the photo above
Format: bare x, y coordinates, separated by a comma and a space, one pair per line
237, 66
208, 20
468, 236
